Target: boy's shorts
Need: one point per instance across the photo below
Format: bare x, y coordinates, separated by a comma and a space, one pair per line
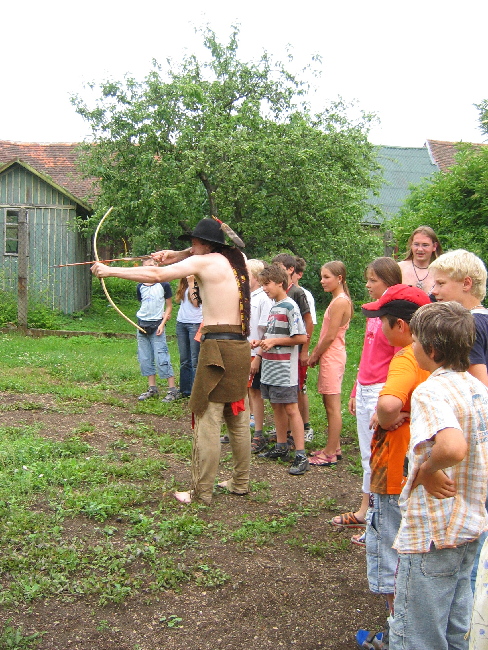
383, 521
280, 394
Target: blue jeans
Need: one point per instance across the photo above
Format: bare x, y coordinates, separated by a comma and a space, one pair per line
153, 353
189, 350
383, 521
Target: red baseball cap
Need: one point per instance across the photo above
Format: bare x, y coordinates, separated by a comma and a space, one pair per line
400, 300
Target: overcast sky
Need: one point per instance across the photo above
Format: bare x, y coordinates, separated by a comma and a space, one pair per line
419, 65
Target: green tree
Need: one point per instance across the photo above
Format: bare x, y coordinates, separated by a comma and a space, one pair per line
454, 204
232, 139
483, 119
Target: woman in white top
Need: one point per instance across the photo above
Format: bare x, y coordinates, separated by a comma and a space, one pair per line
187, 323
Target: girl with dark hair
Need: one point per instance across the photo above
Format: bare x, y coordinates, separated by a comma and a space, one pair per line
330, 353
377, 353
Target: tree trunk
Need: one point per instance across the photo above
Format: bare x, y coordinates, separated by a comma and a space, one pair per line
210, 193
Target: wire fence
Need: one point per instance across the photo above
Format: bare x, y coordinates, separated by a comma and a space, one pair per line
35, 242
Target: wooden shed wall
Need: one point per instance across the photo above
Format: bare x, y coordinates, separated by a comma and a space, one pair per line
53, 240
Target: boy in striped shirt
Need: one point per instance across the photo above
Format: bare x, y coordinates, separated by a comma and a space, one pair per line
442, 503
279, 369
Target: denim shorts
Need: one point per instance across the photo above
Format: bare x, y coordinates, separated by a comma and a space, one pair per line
433, 599
153, 355
383, 521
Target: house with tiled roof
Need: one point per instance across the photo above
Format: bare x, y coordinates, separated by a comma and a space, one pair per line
401, 167
43, 181
443, 154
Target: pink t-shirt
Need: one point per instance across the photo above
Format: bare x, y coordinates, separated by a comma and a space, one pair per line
375, 357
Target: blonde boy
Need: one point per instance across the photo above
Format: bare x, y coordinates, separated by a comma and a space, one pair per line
461, 276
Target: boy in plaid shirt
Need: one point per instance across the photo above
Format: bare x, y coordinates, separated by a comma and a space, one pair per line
442, 503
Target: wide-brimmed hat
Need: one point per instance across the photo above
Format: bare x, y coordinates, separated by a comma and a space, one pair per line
400, 300
208, 230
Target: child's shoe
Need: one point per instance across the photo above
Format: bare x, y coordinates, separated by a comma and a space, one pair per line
299, 466
258, 443
276, 454
152, 391
172, 395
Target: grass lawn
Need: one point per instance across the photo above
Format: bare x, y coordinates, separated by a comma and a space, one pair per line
85, 525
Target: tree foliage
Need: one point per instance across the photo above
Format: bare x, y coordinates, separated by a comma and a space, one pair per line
454, 204
483, 118
232, 139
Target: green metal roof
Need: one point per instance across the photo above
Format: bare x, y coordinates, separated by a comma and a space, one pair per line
401, 167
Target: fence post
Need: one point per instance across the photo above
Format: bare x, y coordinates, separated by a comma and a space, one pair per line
23, 269
389, 243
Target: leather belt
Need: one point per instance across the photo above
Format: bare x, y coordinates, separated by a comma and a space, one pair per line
224, 336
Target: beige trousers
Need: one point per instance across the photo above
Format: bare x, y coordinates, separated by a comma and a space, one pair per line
206, 450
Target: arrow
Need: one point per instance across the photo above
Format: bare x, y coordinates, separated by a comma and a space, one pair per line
117, 259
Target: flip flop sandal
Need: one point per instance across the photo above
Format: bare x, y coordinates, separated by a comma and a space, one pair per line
319, 452
347, 520
366, 639
323, 460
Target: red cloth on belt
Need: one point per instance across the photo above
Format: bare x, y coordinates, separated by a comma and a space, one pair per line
237, 407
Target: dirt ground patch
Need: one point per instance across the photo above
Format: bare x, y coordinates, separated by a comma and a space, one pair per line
280, 594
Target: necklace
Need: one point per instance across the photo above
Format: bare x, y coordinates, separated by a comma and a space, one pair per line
419, 267
419, 280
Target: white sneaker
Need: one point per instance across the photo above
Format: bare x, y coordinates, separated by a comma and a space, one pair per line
309, 435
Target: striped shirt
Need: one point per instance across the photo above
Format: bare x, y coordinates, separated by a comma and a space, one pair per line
447, 399
280, 363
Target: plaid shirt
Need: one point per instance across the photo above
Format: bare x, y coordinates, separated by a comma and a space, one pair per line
457, 400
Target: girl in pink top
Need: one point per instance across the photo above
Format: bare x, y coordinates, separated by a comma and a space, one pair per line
330, 353
377, 353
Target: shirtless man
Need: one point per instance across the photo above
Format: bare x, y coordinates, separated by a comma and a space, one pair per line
423, 247
220, 388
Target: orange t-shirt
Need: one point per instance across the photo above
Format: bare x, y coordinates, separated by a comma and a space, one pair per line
389, 448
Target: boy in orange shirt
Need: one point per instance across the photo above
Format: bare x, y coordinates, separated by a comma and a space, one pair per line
392, 435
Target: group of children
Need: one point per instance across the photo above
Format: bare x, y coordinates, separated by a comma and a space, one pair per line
422, 408
426, 515
422, 414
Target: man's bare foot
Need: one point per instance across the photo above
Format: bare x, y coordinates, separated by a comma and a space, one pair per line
224, 485
182, 497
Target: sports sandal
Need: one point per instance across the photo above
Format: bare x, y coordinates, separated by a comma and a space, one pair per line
272, 436
258, 443
347, 520
359, 540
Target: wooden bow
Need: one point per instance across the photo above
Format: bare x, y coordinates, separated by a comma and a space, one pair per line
103, 281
